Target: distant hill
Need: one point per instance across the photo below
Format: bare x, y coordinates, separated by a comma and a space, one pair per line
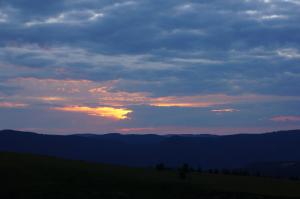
129, 139
29, 176
234, 151
140, 139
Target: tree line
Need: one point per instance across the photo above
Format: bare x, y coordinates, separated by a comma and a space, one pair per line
185, 169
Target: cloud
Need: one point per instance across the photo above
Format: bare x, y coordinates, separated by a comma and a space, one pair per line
195, 130
85, 92
3, 17
227, 110
166, 56
176, 75
65, 57
286, 118
296, 2
109, 112
69, 18
51, 98
289, 53
272, 17
12, 105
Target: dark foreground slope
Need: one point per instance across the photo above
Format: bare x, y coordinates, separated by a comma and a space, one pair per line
277, 169
29, 176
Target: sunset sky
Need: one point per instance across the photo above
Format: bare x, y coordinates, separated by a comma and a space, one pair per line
149, 66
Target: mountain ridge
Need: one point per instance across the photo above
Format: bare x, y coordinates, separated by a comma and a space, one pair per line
228, 151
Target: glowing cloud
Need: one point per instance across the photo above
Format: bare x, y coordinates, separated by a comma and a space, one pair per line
12, 105
51, 99
181, 104
227, 110
287, 118
109, 112
106, 94
183, 101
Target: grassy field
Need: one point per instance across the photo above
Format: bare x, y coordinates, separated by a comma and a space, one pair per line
29, 176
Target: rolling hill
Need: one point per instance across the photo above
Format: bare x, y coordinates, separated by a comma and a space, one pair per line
30, 176
235, 151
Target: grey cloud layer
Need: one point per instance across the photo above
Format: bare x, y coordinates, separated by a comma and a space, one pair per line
179, 47
250, 46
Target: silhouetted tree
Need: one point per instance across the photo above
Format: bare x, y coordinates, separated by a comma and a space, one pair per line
183, 171
225, 172
182, 174
199, 170
236, 172
186, 167
294, 178
216, 171
160, 167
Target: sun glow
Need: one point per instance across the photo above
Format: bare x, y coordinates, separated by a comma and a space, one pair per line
109, 112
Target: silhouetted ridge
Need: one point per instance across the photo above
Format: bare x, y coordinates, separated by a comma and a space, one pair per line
233, 151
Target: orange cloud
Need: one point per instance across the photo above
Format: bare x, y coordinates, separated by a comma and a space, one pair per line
12, 105
213, 100
183, 101
118, 98
286, 118
106, 94
181, 104
109, 112
227, 110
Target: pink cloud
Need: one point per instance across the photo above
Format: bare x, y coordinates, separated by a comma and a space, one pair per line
287, 118
12, 105
199, 130
227, 110
86, 92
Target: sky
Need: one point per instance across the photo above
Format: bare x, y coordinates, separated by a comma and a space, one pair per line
150, 66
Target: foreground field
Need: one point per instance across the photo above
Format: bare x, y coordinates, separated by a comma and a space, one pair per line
30, 176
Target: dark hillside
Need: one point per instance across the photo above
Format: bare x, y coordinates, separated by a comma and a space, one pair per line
28, 176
